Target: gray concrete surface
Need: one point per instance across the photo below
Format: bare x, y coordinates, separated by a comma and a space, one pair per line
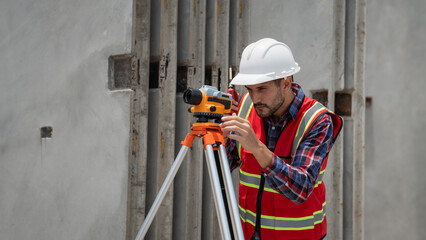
54, 65
53, 72
306, 28
395, 184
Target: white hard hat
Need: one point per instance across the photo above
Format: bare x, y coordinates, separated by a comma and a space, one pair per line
263, 61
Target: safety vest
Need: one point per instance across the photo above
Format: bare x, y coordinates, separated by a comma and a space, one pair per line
281, 218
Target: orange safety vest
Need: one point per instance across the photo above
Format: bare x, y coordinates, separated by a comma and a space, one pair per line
281, 218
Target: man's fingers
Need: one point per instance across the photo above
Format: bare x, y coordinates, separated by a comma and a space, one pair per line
232, 131
235, 137
232, 123
235, 128
232, 128
233, 117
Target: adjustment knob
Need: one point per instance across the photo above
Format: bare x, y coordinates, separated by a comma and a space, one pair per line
213, 109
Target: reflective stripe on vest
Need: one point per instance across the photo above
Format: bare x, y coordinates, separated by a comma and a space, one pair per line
252, 180
244, 112
284, 223
305, 124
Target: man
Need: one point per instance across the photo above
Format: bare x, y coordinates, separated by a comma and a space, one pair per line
281, 147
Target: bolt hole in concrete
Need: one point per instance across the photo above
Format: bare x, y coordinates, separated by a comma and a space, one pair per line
46, 132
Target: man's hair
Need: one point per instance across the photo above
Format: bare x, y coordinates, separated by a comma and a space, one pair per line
278, 81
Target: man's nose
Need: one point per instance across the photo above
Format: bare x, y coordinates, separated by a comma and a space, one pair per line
255, 98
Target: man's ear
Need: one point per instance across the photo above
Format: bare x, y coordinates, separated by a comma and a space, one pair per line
287, 82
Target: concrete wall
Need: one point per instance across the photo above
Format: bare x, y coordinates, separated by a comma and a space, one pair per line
306, 27
54, 65
395, 184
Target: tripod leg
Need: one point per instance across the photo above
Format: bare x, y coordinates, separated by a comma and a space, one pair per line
217, 193
162, 193
230, 193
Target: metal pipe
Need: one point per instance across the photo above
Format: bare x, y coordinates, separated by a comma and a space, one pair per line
162, 193
229, 187
217, 193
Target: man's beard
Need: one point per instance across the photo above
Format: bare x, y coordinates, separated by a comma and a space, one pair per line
271, 109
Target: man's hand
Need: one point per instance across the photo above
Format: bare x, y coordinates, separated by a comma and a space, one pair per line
240, 129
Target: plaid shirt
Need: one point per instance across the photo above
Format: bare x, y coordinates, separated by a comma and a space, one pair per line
296, 181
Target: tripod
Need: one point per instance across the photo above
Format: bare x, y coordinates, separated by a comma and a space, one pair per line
212, 140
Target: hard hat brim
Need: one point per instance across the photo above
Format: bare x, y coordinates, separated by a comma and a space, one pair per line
250, 79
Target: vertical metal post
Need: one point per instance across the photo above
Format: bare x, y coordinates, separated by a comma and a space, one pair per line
167, 112
222, 58
242, 12
335, 161
358, 109
138, 119
217, 58
354, 140
195, 79
238, 40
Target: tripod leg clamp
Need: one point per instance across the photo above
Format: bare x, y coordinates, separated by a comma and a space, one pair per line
211, 138
188, 140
